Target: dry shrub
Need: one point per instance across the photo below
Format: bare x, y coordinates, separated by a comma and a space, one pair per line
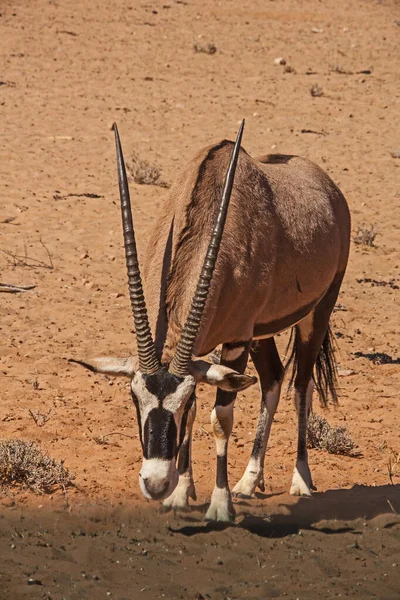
335, 440
205, 48
365, 236
316, 91
23, 463
143, 173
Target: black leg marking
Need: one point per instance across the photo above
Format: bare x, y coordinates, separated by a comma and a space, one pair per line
270, 370
310, 335
221, 508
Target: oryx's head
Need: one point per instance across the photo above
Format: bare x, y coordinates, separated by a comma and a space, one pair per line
164, 395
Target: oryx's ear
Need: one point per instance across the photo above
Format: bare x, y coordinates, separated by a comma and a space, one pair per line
110, 365
223, 377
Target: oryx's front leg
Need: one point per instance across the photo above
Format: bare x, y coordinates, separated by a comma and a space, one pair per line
221, 508
270, 370
179, 499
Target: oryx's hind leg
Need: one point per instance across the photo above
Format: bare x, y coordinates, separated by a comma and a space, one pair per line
179, 499
312, 345
221, 508
270, 370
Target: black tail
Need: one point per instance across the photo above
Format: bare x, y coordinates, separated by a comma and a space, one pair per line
325, 371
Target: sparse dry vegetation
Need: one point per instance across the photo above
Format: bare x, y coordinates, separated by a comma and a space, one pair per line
204, 48
335, 440
24, 464
39, 417
144, 173
316, 91
365, 236
394, 465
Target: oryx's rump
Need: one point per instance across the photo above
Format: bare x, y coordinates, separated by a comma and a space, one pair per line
284, 243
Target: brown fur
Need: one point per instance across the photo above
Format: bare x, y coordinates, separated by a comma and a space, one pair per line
286, 238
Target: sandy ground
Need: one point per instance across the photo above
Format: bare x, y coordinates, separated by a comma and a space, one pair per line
67, 71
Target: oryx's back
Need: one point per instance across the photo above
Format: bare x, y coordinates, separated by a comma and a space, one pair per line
285, 239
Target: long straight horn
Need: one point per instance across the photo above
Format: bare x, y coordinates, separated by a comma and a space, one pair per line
148, 361
183, 355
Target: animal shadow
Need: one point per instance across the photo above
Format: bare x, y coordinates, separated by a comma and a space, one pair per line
330, 512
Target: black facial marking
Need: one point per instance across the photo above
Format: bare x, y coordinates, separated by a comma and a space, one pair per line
160, 435
135, 402
162, 383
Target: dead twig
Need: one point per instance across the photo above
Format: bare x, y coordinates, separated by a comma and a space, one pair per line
48, 253
24, 260
14, 289
102, 439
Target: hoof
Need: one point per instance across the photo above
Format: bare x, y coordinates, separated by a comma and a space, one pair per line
178, 500
301, 483
246, 487
221, 507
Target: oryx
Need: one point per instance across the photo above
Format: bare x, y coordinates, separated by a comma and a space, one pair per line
277, 262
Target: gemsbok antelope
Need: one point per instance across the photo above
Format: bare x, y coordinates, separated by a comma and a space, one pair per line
275, 260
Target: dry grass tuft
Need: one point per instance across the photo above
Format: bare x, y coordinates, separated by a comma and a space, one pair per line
335, 440
365, 236
23, 463
143, 173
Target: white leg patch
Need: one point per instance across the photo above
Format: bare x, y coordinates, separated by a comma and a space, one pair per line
222, 422
221, 507
185, 489
251, 479
302, 481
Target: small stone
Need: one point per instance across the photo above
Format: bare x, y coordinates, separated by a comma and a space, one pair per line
395, 154
145, 552
13, 546
289, 69
279, 61
83, 256
220, 562
34, 581
345, 372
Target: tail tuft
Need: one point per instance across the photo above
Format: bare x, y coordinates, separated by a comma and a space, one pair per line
325, 371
